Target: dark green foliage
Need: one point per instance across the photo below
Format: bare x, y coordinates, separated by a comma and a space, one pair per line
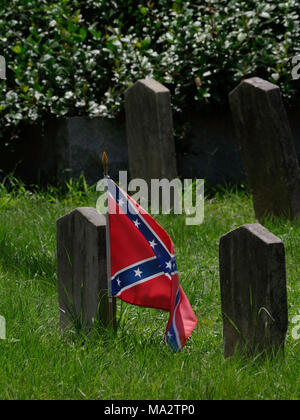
77, 57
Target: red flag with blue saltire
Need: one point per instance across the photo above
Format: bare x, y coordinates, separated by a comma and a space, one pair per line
143, 265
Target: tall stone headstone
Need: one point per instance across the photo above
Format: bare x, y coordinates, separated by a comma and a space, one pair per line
253, 290
149, 128
267, 148
82, 270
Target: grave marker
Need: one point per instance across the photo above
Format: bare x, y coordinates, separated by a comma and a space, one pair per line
253, 290
267, 148
82, 272
149, 127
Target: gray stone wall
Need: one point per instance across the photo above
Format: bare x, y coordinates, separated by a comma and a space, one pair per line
211, 151
73, 145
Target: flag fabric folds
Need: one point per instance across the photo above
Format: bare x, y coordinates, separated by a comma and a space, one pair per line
143, 265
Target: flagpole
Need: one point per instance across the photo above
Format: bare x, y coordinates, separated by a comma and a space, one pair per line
108, 268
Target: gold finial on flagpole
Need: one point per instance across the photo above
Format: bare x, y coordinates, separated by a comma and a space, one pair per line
105, 163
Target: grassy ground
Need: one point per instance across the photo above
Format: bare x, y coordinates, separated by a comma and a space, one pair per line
38, 362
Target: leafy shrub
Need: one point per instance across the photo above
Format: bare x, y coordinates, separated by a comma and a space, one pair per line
77, 57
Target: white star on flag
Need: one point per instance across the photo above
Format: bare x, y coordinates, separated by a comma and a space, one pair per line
152, 243
169, 264
138, 272
120, 201
136, 223
118, 281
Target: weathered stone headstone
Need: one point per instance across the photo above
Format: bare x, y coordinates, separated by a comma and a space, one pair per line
253, 290
149, 128
82, 270
60, 149
267, 148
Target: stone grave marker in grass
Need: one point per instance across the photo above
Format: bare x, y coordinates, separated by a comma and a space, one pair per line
149, 128
82, 269
267, 148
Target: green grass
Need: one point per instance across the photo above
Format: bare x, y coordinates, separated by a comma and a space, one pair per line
37, 361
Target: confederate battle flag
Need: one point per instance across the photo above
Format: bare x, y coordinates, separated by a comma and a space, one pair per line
143, 266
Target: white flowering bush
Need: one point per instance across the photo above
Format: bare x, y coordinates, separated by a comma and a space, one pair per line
77, 57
